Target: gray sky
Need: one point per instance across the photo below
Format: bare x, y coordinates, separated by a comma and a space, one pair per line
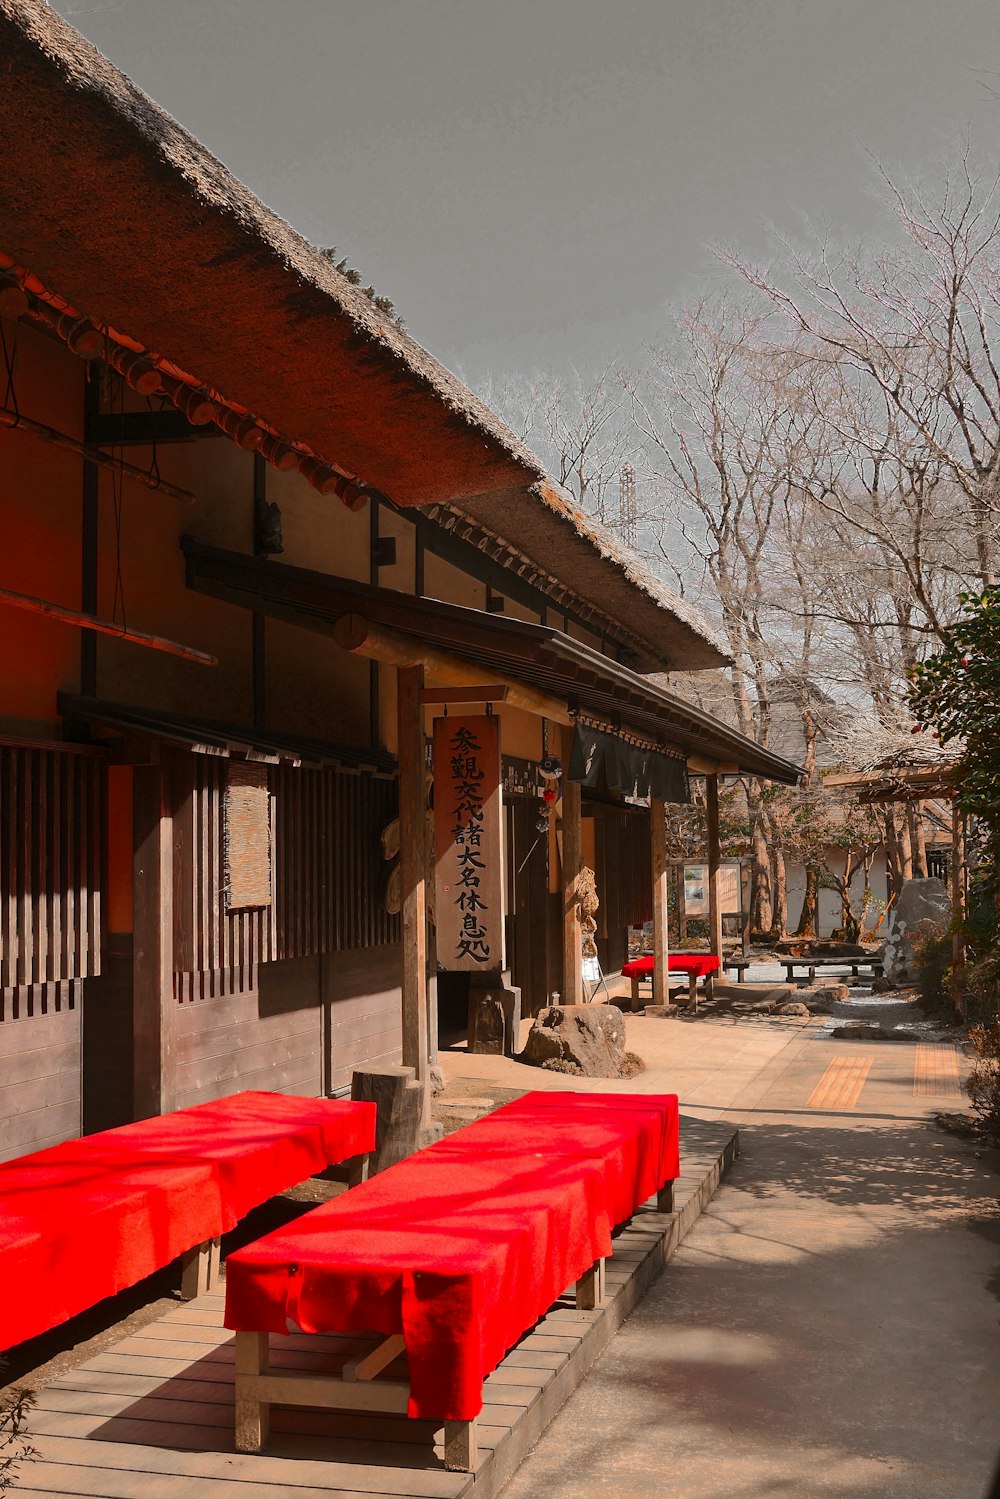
532, 181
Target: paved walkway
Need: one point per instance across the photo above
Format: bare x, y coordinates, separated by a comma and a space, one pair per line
830, 1326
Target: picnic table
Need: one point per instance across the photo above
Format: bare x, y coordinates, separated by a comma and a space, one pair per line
84, 1219
694, 965
449, 1257
811, 963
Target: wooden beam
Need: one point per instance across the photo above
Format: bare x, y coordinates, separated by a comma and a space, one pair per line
714, 862
18, 423
152, 951
113, 429
373, 1363
413, 871
572, 860
661, 887
84, 621
353, 632
438, 695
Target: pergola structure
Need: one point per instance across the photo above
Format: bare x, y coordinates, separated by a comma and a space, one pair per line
920, 783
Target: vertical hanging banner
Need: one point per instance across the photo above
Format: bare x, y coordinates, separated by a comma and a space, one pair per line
468, 844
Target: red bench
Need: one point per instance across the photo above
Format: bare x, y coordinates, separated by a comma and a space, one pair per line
695, 965
449, 1257
83, 1220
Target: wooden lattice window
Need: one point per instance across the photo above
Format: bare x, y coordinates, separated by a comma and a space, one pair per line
51, 865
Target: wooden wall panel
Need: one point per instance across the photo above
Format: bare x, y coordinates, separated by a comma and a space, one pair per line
269, 1037
361, 993
40, 1101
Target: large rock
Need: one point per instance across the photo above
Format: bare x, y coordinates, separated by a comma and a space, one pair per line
919, 902
592, 1036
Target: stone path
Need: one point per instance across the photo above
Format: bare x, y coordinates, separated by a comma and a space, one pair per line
829, 1330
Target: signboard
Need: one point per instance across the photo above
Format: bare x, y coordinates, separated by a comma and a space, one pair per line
468, 844
696, 889
520, 777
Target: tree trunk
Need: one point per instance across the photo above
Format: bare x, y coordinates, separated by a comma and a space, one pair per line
760, 870
904, 845
918, 843
810, 904
779, 892
848, 921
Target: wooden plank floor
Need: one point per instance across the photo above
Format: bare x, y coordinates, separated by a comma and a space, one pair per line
152, 1417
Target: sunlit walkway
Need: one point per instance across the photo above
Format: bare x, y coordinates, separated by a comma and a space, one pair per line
829, 1328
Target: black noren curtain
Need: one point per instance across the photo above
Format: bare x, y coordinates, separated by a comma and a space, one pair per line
604, 762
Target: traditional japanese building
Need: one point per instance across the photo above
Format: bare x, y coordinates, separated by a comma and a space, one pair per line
256, 541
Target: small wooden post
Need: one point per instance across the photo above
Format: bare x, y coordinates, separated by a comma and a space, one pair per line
200, 1269
958, 908
152, 951
714, 859
460, 1446
572, 860
413, 870
253, 1415
590, 1288
660, 871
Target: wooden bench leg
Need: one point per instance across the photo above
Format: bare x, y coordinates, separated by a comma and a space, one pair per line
665, 1198
693, 993
357, 1171
253, 1415
590, 1288
460, 1448
709, 986
200, 1269
635, 993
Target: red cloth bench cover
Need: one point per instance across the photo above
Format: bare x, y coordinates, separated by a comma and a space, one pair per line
83, 1220
463, 1246
699, 964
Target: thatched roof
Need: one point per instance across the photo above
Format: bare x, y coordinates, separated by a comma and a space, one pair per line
118, 209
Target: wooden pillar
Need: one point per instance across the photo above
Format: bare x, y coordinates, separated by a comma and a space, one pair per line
572, 859
660, 871
152, 951
958, 908
413, 869
714, 860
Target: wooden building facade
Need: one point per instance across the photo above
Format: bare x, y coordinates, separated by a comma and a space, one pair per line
216, 458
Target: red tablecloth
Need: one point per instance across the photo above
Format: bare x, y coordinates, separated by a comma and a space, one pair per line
85, 1219
463, 1246
700, 964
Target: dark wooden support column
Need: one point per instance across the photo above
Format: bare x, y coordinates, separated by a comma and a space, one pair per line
958, 908
413, 870
258, 627
661, 890
152, 953
572, 860
88, 545
714, 859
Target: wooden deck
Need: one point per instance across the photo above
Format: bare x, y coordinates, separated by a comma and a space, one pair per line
152, 1417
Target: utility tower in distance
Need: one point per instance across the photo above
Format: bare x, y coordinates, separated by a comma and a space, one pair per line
628, 510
